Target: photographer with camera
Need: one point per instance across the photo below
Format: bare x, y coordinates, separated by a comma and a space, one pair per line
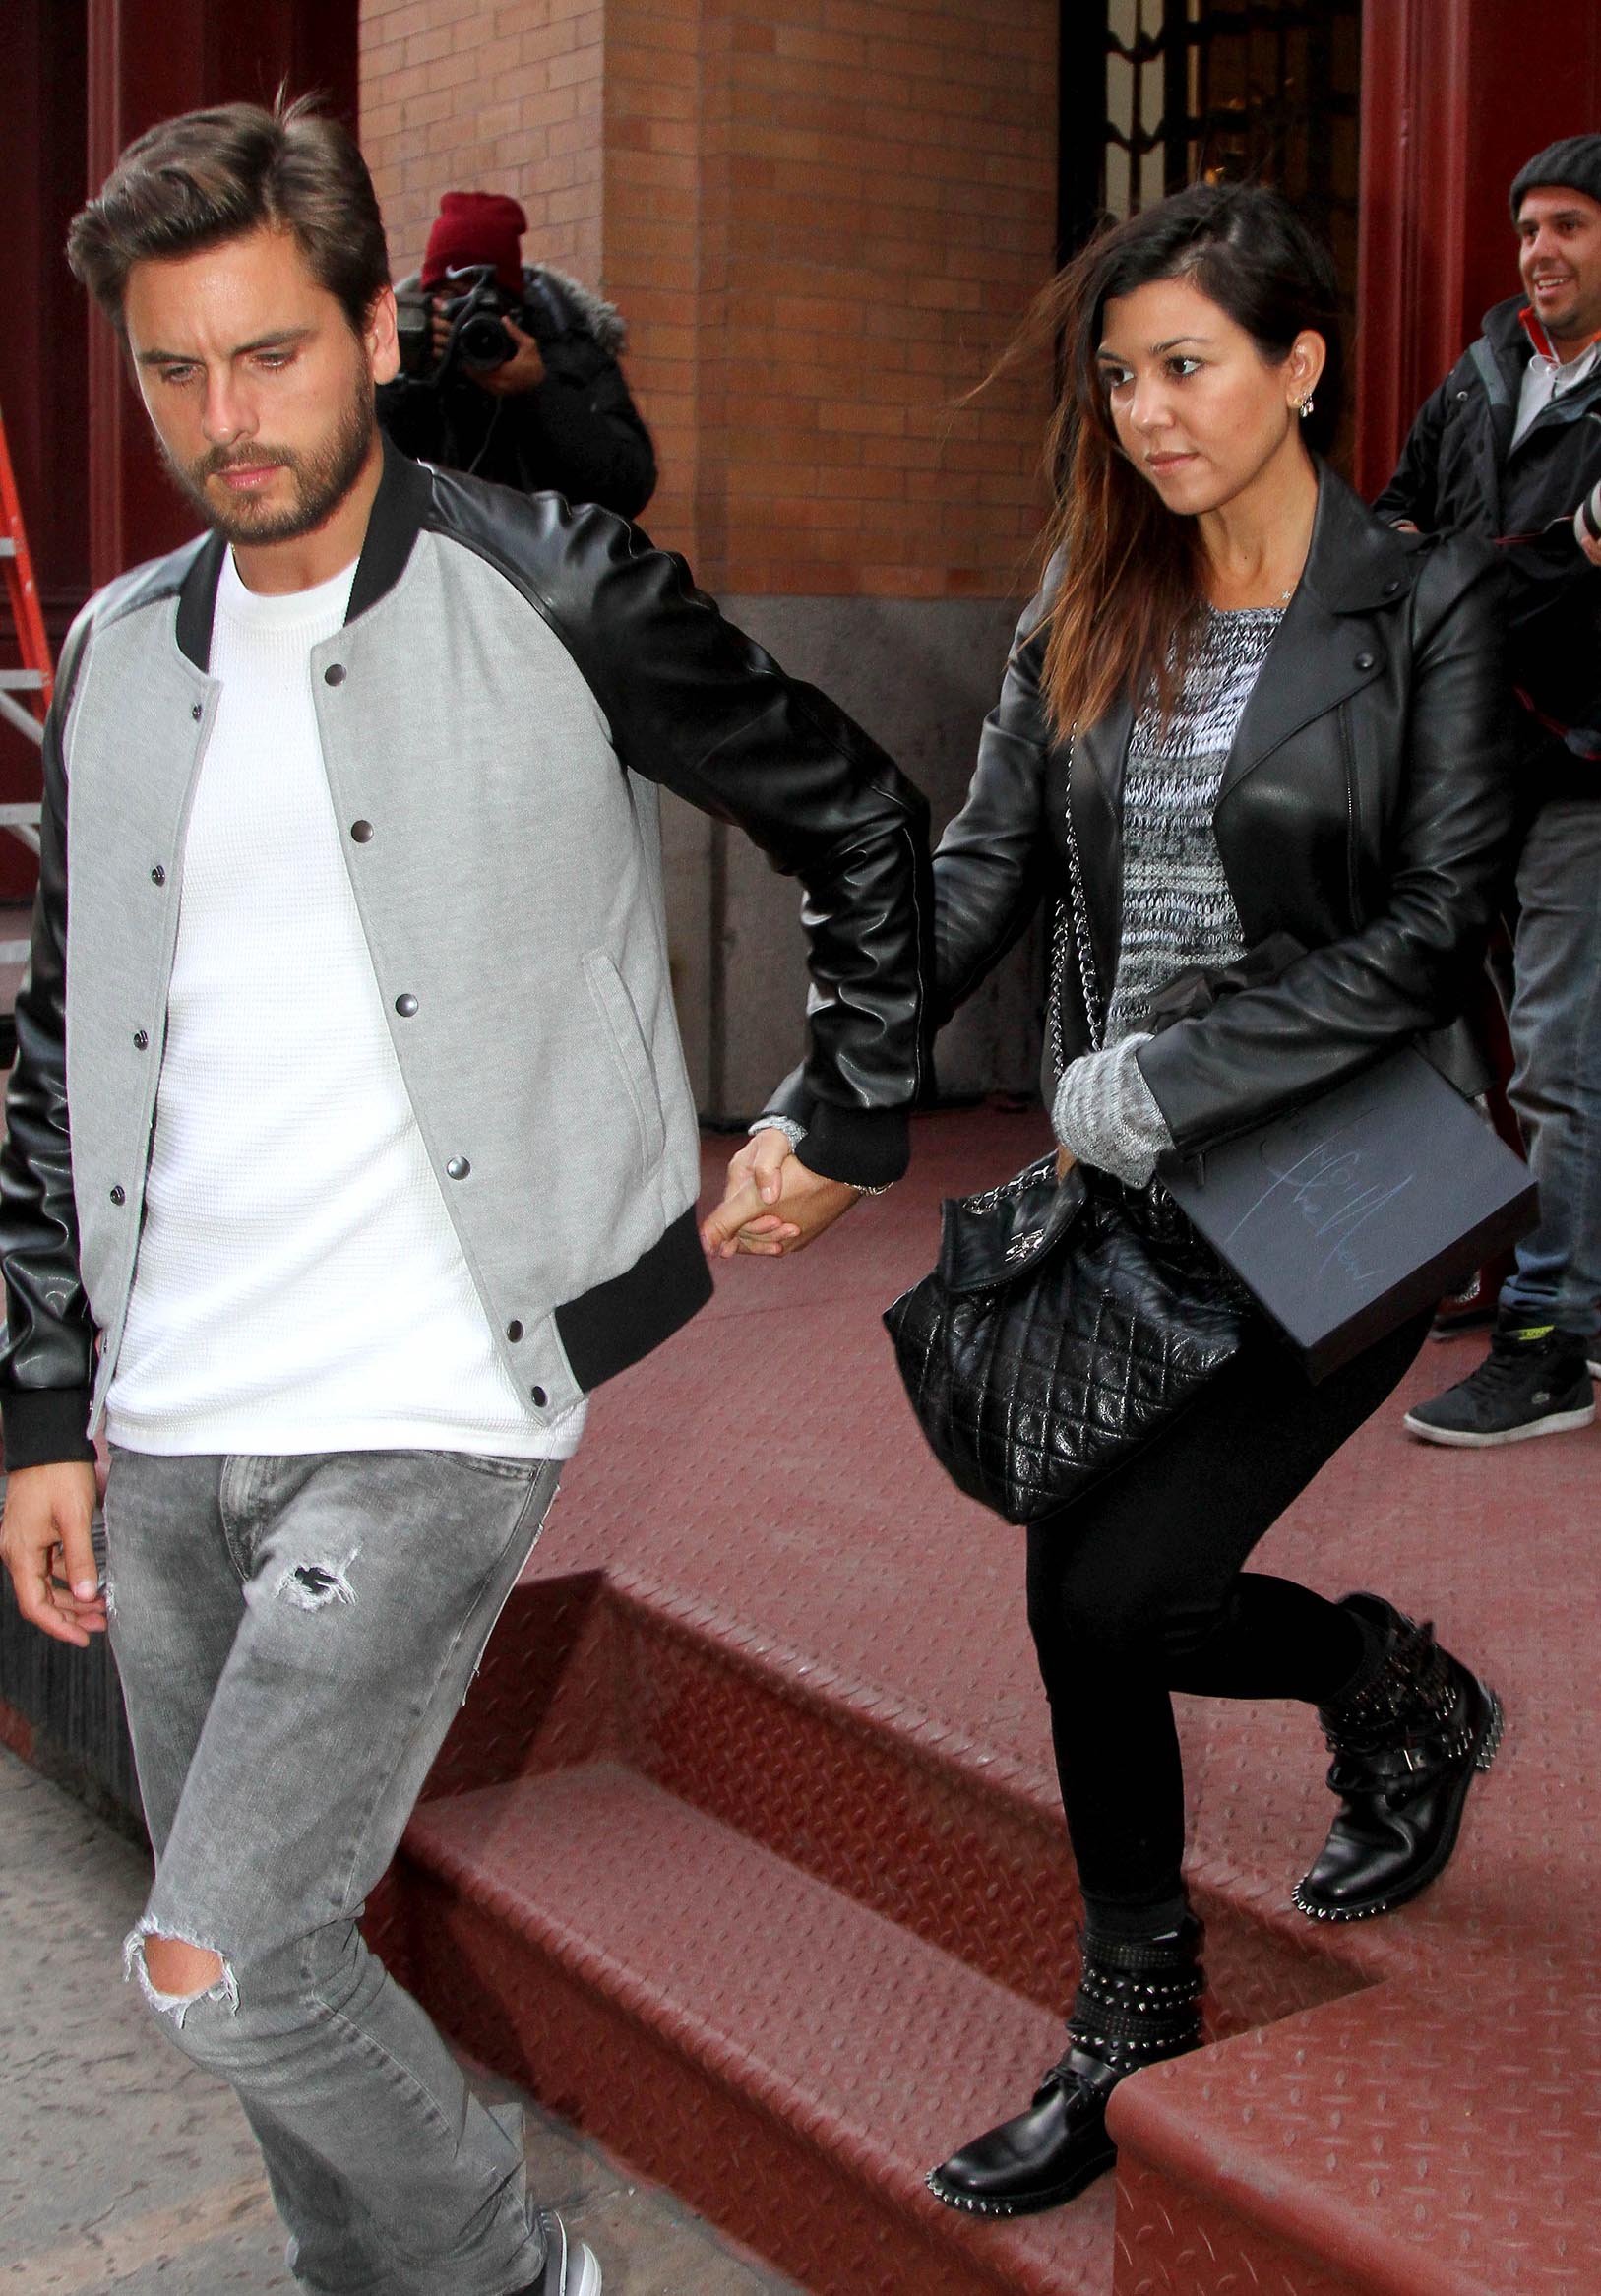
510, 371
1509, 448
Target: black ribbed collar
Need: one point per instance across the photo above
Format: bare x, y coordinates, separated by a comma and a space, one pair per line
404, 491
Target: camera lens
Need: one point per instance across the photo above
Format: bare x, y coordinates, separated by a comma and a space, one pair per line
483, 342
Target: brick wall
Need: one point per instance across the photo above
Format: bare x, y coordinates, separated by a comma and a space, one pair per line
871, 190
467, 95
661, 246
821, 217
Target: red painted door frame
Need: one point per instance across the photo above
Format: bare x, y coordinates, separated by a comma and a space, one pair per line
1455, 96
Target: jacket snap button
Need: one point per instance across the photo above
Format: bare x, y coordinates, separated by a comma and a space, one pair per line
405, 1006
1460, 395
158, 875
1392, 586
362, 831
335, 674
140, 1039
513, 1330
458, 1167
539, 1394
197, 711
119, 1195
1364, 661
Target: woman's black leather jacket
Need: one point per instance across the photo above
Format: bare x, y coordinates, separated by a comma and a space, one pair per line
1365, 810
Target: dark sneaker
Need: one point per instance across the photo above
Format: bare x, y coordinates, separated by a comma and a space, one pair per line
1534, 1381
570, 2265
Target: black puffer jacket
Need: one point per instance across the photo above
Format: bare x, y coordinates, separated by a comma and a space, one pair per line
1365, 810
1460, 474
578, 433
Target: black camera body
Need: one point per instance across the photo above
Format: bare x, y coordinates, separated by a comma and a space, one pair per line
477, 341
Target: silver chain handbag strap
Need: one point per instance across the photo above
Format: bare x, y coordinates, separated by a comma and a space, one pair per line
1073, 918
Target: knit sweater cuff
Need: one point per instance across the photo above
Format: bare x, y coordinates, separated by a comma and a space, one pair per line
793, 1131
1106, 1115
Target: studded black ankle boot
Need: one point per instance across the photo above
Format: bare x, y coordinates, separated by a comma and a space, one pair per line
1138, 2003
1407, 1736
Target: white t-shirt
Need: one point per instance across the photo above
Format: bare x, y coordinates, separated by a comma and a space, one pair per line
299, 1285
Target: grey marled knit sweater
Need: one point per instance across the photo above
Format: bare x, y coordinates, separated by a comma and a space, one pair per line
1177, 909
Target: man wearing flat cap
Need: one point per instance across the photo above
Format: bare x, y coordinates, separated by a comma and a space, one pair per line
1509, 446
510, 371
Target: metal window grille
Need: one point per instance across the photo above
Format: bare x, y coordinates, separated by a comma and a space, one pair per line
1158, 93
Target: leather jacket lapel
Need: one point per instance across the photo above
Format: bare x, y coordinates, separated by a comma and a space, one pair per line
1332, 642
1310, 668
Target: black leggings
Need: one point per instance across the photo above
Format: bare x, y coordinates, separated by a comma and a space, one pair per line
1137, 1591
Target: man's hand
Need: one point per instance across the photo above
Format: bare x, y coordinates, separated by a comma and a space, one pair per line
772, 1205
524, 370
45, 1545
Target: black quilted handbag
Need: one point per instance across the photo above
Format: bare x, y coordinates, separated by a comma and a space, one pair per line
1064, 1324
1066, 1321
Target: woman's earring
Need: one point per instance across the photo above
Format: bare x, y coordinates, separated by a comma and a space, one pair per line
1302, 407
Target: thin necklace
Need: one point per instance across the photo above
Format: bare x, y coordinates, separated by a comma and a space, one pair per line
1273, 605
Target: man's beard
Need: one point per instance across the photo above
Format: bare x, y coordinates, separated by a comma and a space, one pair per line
321, 481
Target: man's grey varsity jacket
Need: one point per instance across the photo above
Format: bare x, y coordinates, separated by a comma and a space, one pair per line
514, 680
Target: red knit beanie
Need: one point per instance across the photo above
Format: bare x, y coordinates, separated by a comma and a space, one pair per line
476, 226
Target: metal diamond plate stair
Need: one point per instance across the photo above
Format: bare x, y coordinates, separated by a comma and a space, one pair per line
785, 2059
744, 1847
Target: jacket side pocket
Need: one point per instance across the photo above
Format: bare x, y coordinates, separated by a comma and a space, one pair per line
626, 1039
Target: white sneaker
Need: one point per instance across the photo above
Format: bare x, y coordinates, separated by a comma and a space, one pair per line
571, 2269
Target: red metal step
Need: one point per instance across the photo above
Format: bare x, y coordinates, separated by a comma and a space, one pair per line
1442, 2141
758, 1605
630, 1858
954, 1838
774, 2051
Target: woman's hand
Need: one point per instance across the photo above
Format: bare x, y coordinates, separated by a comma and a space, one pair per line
773, 1204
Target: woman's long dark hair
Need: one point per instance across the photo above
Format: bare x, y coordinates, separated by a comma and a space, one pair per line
1126, 611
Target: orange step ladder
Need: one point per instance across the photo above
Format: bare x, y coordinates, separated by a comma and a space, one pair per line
37, 675
25, 696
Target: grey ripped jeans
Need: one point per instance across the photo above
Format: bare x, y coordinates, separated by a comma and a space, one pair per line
294, 1636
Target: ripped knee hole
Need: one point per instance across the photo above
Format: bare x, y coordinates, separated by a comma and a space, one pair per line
176, 1973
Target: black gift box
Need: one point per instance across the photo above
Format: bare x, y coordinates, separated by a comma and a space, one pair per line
1347, 1216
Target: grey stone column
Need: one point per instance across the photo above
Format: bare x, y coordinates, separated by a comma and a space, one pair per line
919, 675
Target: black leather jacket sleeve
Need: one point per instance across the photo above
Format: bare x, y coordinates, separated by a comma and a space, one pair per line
695, 705
46, 1361
1411, 967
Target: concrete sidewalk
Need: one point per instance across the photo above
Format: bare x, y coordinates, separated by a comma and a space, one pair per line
123, 2166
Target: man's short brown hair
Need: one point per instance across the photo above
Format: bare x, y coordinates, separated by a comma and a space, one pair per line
211, 176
